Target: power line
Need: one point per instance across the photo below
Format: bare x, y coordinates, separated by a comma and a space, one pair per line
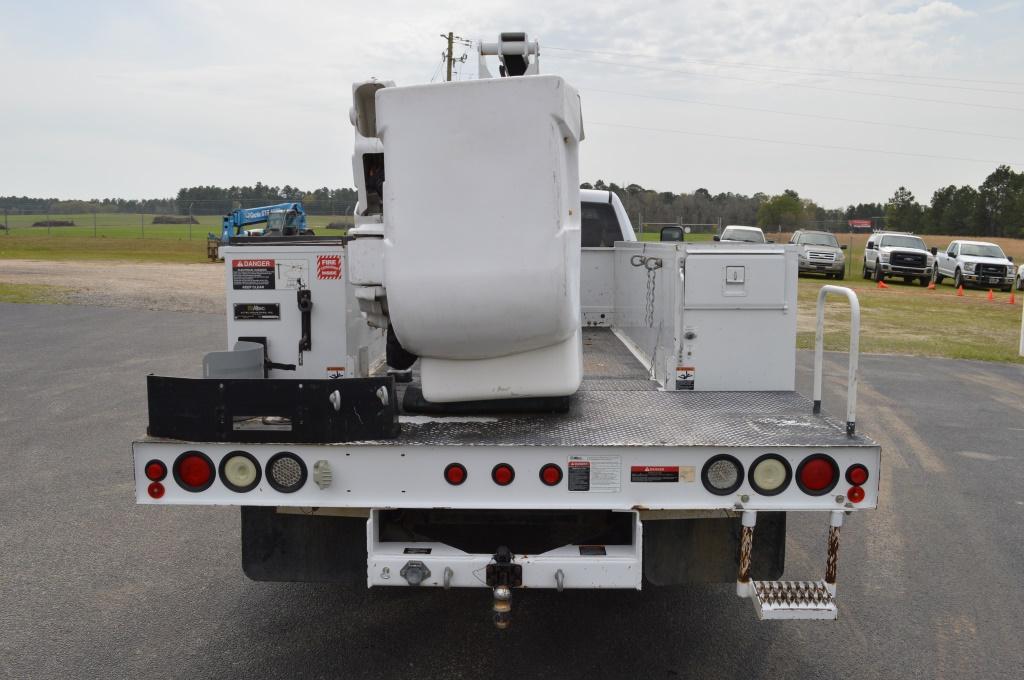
799, 85
801, 115
831, 147
803, 70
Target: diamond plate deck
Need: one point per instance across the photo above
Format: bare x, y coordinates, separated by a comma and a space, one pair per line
618, 406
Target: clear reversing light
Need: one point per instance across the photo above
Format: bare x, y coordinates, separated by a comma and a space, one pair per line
770, 474
286, 472
722, 474
240, 471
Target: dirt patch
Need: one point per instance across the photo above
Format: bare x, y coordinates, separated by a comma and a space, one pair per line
140, 285
174, 219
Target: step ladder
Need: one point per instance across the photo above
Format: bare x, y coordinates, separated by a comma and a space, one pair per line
778, 600
793, 600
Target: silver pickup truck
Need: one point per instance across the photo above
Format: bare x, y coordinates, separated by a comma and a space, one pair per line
977, 263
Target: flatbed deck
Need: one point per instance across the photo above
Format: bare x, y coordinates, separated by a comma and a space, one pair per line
619, 405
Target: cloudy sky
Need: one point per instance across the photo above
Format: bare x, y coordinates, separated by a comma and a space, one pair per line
841, 100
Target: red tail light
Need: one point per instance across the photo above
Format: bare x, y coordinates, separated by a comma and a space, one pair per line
156, 490
857, 474
817, 474
551, 474
503, 474
855, 494
156, 471
194, 471
455, 474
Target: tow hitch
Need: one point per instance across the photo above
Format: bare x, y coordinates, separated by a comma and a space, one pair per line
502, 577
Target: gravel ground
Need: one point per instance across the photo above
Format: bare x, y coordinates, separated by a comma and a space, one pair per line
140, 285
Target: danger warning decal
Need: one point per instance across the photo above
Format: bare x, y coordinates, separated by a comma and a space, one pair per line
654, 473
595, 473
328, 267
252, 274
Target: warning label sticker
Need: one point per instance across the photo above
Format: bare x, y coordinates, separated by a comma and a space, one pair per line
292, 274
654, 473
685, 376
328, 267
335, 372
661, 473
595, 473
257, 311
252, 274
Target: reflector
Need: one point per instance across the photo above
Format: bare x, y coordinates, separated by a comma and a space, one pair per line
855, 494
156, 490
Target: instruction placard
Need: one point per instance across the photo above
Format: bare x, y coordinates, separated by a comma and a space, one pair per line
252, 274
595, 473
292, 274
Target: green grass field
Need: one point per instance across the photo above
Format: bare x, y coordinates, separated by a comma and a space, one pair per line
119, 236
903, 319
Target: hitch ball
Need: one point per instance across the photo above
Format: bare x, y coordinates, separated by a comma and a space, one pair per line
414, 572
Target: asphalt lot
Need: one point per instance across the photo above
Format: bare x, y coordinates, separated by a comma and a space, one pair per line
93, 586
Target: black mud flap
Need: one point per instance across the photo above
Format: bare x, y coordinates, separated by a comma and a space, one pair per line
678, 552
308, 548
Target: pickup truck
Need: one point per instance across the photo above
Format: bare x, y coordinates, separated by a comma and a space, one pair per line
976, 263
897, 254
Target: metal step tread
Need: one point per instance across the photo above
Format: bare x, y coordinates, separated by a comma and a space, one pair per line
793, 600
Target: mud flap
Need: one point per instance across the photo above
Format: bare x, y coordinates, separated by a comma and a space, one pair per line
308, 548
678, 552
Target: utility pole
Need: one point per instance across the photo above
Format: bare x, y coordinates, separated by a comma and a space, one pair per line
449, 59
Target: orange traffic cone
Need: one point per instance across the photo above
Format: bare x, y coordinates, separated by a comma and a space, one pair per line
1013, 298
931, 285
990, 296
881, 284
960, 291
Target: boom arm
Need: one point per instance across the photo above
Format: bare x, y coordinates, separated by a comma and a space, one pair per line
243, 217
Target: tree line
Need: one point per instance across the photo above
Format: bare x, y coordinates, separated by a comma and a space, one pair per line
994, 208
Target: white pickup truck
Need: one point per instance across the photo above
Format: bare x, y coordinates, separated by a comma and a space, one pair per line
888, 253
975, 263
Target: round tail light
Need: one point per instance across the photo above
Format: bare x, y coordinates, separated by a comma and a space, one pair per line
551, 474
855, 494
857, 474
286, 472
155, 490
240, 471
503, 474
156, 471
455, 474
722, 474
817, 474
193, 471
770, 474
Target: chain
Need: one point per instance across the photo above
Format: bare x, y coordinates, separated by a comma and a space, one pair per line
651, 264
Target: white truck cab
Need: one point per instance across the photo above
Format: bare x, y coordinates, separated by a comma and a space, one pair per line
891, 253
978, 263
